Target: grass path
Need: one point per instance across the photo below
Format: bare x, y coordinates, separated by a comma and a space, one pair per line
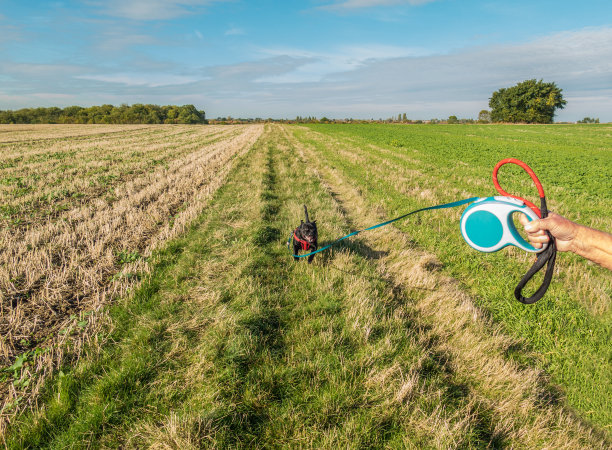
232, 344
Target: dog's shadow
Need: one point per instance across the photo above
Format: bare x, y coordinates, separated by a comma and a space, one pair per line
358, 247
355, 246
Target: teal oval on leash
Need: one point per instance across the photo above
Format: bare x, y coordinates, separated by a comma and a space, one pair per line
487, 225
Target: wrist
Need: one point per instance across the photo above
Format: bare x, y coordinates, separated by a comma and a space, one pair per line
579, 243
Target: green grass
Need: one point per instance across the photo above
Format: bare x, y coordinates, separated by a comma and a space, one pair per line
229, 343
573, 343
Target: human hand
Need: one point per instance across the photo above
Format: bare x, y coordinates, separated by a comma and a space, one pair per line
565, 231
592, 244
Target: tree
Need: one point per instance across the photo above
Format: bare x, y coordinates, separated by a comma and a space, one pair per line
589, 120
530, 101
484, 116
189, 114
452, 119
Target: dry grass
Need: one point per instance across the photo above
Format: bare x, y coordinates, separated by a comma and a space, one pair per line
54, 271
20, 133
41, 181
519, 399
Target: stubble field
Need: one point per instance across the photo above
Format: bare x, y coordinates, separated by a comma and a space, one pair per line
148, 264
82, 209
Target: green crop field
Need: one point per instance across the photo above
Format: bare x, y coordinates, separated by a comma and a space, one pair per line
208, 334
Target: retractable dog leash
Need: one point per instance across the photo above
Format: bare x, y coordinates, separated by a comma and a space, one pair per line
487, 226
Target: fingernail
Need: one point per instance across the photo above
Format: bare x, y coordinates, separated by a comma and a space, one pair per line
529, 226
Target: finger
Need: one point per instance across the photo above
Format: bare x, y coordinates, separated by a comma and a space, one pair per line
523, 219
541, 239
533, 226
537, 233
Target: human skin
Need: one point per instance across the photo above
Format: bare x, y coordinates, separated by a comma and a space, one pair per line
592, 244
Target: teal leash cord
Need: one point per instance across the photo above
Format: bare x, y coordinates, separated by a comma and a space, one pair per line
442, 206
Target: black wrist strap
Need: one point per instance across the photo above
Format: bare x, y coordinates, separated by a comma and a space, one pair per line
547, 257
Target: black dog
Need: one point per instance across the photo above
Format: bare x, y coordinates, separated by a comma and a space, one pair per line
305, 237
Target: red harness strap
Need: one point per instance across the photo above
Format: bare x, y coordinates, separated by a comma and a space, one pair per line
305, 244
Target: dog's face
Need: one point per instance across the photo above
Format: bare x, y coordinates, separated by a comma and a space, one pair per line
309, 231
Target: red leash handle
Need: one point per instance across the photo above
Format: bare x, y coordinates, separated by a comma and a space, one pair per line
545, 258
531, 173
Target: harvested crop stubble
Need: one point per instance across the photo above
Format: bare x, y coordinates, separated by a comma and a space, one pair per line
64, 267
47, 179
19, 133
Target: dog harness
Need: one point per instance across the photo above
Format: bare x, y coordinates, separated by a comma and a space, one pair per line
304, 243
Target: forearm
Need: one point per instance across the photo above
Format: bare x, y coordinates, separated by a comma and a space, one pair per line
594, 245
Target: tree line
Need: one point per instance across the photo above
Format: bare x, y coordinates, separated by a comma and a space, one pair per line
108, 114
530, 101
589, 120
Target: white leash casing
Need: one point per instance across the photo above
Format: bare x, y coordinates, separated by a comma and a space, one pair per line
487, 226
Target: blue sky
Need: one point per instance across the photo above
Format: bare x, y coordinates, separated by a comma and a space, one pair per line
334, 58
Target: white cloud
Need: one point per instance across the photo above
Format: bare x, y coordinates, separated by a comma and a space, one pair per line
27, 71
341, 59
358, 4
52, 96
141, 79
151, 9
252, 72
353, 83
10, 32
199, 35
234, 31
10, 99
117, 40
